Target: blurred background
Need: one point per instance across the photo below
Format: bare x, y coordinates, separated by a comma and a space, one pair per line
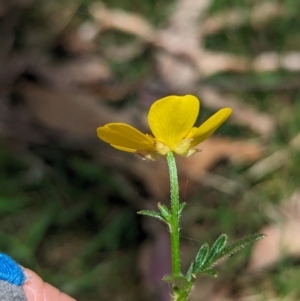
68, 201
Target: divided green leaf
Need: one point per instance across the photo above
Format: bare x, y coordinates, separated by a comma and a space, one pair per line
235, 247
190, 271
152, 214
216, 249
206, 259
201, 258
211, 272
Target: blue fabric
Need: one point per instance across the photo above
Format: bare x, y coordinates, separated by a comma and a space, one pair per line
10, 271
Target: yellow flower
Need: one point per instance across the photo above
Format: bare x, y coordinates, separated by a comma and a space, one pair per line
171, 120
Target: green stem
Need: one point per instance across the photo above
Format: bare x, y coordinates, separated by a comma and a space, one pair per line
175, 208
183, 294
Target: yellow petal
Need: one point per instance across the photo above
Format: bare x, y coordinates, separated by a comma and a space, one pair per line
125, 137
144, 155
124, 149
171, 118
183, 146
209, 126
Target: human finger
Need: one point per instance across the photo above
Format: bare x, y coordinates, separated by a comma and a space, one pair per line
38, 290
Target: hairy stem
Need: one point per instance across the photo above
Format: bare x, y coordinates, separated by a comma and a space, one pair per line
175, 208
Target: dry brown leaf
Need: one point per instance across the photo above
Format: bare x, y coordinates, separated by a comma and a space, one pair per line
120, 20
282, 238
78, 42
182, 70
178, 64
184, 59
260, 14
76, 72
175, 72
181, 35
273, 61
274, 161
261, 123
182, 41
125, 52
215, 150
213, 62
72, 114
88, 75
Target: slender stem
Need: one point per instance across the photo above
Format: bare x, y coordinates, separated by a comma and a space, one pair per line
175, 208
183, 294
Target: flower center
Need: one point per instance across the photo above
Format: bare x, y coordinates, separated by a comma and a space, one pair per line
161, 148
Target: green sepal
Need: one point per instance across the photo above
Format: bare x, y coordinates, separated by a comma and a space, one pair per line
240, 244
178, 281
164, 212
201, 258
215, 250
152, 214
